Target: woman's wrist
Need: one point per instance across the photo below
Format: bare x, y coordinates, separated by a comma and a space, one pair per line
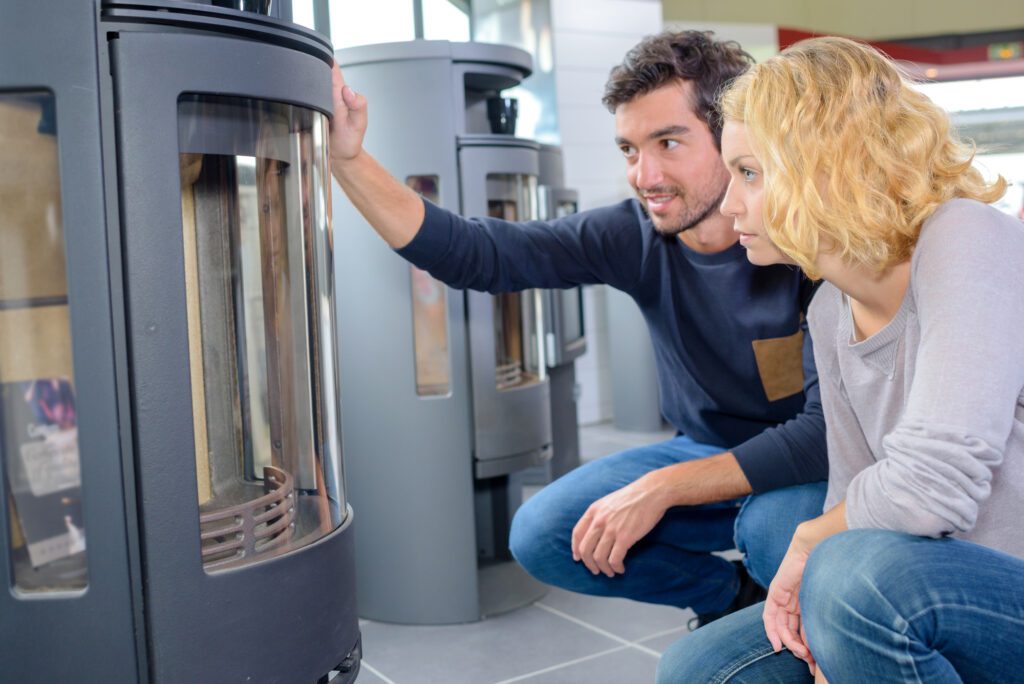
811, 532
806, 537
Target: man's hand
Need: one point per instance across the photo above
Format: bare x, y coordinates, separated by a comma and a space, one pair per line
394, 211
349, 124
612, 524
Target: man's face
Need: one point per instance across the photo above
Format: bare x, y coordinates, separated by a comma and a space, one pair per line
671, 158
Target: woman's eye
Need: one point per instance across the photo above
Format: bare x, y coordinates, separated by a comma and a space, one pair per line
748, 175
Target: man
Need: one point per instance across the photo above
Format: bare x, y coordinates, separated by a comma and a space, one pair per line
734, 362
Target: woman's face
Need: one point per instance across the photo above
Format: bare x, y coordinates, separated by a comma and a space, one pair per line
745, 196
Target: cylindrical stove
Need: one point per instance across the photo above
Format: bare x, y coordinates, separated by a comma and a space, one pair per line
448, 392
174, 501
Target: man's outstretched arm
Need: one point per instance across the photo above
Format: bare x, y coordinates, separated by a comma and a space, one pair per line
394, 211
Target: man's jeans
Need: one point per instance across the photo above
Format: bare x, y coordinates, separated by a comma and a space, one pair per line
879, 606
673, 564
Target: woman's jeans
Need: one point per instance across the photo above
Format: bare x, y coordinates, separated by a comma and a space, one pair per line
878, 606
674, 563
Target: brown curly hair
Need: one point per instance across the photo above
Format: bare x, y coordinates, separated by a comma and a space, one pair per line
667, 57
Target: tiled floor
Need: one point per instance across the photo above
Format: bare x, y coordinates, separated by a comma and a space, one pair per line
564, 638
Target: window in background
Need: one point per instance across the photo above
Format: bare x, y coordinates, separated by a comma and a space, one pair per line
357, 22
303, 13
445, 20
990, 112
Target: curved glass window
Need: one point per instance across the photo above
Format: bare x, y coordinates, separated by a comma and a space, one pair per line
38, 420
429, 314
259, 287
517, 315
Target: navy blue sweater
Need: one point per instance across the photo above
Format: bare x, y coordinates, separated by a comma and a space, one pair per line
705, 312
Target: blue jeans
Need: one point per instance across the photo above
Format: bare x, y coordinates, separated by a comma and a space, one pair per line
879, 606
673, 564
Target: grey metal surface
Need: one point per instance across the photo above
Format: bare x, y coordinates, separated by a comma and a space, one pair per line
635, 399
513, 425
565, 431
175, 16
552, 167
518, 63
203, 627
52, 45
408, 458
563, 310
564, 330
475, 71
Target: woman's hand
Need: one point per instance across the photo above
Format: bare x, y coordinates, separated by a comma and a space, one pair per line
782, 620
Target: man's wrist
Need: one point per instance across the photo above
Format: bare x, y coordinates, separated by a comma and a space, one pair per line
341, 164
659, 488
700, 481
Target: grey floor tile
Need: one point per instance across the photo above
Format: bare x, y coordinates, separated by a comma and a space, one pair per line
483, 652
593, 448
623, 666
603, 439
663, 641
629, 620
541, 643
368, 676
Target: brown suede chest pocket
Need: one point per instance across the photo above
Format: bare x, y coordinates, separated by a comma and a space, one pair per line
780, 365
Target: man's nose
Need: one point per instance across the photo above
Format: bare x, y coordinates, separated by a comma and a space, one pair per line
648, 172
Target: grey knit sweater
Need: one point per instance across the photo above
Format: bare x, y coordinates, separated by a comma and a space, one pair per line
925, 419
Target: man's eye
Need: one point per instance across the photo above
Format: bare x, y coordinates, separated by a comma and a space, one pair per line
627, 150
670, 144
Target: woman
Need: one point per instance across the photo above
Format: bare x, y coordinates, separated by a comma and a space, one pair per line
915, 573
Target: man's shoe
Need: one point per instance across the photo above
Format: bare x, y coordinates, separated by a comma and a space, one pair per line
750, 592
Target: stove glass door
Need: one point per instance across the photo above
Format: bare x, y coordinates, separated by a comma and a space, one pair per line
38, 425
256, 227
517, 326
429, 314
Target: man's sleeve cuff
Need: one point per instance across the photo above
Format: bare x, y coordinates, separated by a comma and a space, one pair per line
431, 241
764, 464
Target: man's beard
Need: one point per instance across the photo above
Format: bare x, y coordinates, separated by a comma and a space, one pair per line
691, 215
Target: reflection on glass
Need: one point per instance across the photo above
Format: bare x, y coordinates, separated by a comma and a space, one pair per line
429, 315
572, 314
38, 420
572, 300
516, 314
259, 291
565, 208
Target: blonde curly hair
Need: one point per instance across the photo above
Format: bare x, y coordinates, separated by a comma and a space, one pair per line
855, 158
